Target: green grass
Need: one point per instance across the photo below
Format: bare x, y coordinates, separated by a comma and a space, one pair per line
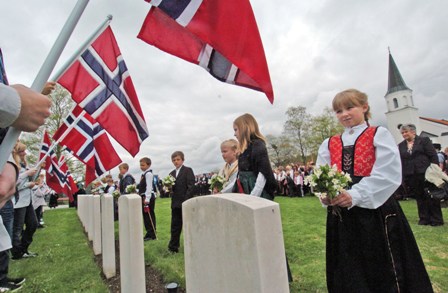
65, 262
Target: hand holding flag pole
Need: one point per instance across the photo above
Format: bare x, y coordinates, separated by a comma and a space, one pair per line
44, 73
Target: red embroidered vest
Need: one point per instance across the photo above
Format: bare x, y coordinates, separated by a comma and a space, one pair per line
364, 152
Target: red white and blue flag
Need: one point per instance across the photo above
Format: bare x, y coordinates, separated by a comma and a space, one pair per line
58, 176
99, 82
89, 142
45, 147
60, 179
219, 35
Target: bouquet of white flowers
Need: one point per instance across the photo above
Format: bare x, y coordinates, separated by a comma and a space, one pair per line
132, 188
116, 194
217, 181
169, 181
328, 182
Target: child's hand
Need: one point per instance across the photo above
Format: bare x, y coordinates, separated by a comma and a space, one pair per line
325, 200
343, 200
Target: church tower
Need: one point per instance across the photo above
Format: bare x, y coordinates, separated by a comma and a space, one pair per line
400, 104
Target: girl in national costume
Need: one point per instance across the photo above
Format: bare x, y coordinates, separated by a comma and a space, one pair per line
371, 248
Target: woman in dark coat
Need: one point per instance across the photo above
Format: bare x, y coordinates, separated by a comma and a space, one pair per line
417, 153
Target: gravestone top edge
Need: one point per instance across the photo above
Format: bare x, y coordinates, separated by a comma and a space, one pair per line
252, 202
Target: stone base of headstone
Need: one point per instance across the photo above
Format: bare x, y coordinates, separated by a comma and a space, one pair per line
89, 217
108, 235
96, 224
132, 262
234, 243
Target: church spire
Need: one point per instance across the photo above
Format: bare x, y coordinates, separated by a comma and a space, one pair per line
396, 82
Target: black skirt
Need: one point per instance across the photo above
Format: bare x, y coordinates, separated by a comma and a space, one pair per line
373, 250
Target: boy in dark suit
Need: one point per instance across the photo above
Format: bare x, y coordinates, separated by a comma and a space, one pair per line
127, 178
182, 190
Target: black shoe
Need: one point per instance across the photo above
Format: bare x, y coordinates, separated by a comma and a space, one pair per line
17, 256
9, 287
16, 281
173, 250
436, 224
423, 223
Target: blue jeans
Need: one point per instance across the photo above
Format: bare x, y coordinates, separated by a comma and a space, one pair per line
7, 214
22, 238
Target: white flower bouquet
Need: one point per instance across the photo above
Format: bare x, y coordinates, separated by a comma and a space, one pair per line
169, 181
328, 182
116, 194
132, 188
216, 182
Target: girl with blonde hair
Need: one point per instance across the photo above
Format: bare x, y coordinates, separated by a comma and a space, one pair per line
229, 151
370, 248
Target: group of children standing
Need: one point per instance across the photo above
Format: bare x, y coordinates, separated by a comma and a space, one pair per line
371, 247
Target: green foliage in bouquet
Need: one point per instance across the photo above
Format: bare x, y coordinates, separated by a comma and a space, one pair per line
328, 181
217, 181
169, 181
131, 188
116, 194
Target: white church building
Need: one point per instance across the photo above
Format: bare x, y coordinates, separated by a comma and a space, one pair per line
401, 110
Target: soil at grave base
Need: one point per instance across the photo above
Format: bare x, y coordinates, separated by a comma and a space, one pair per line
154, 280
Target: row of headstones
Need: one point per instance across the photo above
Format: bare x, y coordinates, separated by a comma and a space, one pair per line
232, 242
97, 216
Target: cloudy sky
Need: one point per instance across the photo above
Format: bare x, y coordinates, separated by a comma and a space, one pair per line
314, 49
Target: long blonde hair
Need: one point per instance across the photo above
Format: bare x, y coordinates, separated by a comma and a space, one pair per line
19, 147
248, 130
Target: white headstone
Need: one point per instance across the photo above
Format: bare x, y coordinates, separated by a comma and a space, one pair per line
81, 202
233, 243
96, 224
132, 262
108, 235
89, 217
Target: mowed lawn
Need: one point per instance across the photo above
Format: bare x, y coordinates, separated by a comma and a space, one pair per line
66, 263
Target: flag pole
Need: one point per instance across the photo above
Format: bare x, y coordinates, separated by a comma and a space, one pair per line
44, 73
82, 48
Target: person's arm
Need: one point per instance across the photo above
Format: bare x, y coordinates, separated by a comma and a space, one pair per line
10, 105
430, 151
7, 183
373, 191
262, 165
148, 193
259, 185
231, 182
190, 183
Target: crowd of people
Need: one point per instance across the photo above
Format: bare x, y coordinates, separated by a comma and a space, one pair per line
25, 110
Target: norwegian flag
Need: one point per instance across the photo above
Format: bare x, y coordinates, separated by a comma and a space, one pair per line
87, 141
45, 147
99, 82
60, 179
219, 35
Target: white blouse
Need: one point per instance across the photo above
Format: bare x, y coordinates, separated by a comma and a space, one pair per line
372, 191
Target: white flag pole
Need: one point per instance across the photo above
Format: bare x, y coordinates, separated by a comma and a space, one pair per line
44, 73
82, 48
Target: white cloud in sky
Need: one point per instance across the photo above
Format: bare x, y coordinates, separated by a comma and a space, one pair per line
314, 49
